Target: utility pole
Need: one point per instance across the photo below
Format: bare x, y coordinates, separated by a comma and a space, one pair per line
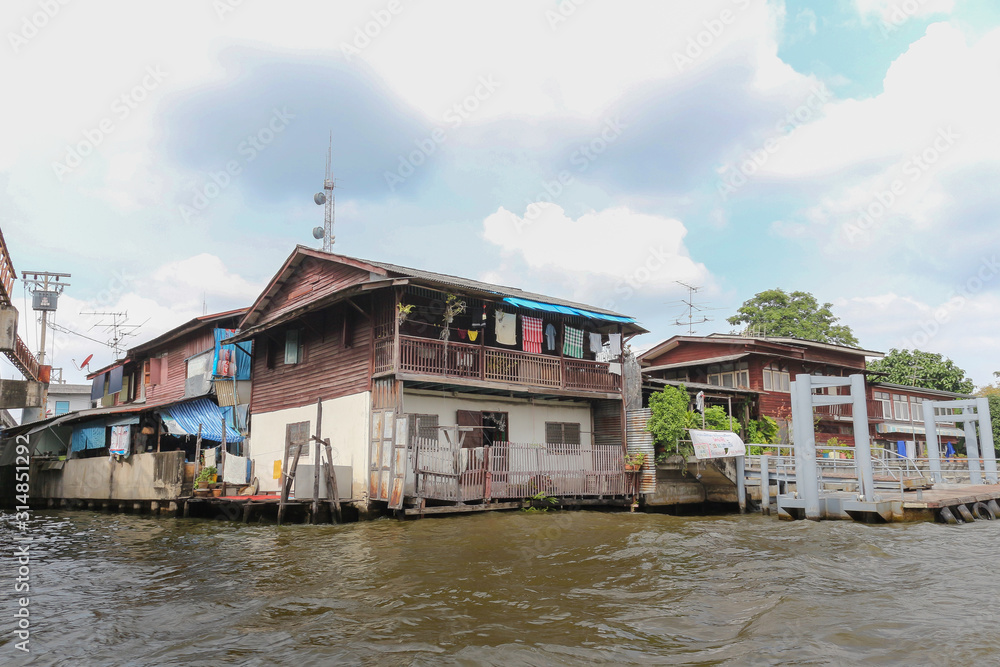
45, 289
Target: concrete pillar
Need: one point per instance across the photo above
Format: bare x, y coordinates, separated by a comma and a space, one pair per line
765, 484
986, 439
741, 489
806, 481
154, 507
972, 449
862, 442
933, 444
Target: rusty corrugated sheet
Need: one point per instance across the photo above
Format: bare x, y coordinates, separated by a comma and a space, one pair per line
641, 440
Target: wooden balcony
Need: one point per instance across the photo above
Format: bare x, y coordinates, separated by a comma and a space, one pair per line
478, 364
846, 412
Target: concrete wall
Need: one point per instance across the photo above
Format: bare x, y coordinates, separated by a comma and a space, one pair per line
154, 476
345, 422
525, 420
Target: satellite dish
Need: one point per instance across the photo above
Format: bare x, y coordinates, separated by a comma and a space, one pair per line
86, 361
320, 199
318, 233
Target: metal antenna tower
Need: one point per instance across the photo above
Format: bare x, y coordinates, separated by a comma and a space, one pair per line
45, 289
326, 199
118, 328
692, 308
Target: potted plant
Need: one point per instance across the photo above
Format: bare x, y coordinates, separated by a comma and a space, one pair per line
634, 461
207, 476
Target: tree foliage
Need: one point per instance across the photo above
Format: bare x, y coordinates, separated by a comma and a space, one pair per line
669, 415
922, 369
992, 392
794, 314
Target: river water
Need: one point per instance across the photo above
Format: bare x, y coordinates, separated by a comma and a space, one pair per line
513, 588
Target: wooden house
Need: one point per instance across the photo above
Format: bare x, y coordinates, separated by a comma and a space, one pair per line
755, 373
434, 388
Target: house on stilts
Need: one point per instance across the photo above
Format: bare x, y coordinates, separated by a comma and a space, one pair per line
439, 393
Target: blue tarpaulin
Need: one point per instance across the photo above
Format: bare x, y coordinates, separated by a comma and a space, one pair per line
89, 435
184, 418
115, 381
231, 360
565, 310
97, 388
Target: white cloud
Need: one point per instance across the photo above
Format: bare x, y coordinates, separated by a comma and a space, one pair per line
605, 257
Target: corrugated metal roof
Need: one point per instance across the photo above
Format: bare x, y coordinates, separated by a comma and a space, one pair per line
697, 362
184, 419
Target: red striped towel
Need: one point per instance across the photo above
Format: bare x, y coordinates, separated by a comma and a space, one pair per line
531, 329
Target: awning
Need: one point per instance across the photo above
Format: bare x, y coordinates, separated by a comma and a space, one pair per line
184, 418
566, 310
918, 430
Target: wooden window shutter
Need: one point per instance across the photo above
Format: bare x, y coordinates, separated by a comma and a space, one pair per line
473, 438
297, 435
424, 427
571, 434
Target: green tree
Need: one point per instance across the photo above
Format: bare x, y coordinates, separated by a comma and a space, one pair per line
669, 415
992, 393
922, 369
795, 314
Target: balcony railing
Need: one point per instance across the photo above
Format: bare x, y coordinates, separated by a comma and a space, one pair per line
427, 356
846, 412
508, 470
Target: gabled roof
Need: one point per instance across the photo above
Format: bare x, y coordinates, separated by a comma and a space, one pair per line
389, 273
775, 342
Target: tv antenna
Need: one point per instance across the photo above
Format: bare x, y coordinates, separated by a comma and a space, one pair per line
693, 309
325, 198
117, 326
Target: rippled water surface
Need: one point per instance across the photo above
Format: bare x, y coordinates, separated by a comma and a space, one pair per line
506, 589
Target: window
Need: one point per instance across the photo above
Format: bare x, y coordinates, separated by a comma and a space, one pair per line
776, 378
882, 397
917, 408
62, 407
424, 428
297, 436
900, 408
293, 346
729, 375
562, 437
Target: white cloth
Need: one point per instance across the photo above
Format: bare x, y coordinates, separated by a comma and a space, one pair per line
595, 343
616, 344
235, 470
506, 328
209, 457
616, 369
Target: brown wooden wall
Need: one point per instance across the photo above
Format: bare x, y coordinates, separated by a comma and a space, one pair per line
329, 368
177, 352
313, 279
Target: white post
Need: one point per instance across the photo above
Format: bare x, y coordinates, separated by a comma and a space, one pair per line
986, 439
806, 482
933, 444
741, 489
972, 448
862, 443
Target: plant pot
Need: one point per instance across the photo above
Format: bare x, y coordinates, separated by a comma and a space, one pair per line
631, 467
216, 493
202, 493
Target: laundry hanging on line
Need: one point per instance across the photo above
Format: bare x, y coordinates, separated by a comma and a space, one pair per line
531, 334
506, 328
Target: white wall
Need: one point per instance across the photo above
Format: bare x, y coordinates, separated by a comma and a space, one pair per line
526, 421
345, 422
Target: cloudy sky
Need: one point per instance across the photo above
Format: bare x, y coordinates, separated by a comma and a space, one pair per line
166, 154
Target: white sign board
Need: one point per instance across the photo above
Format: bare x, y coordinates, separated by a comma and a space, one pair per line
716, 444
